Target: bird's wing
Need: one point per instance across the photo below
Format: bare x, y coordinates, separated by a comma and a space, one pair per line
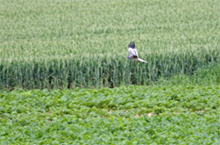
141, 60
133, 52
136, 52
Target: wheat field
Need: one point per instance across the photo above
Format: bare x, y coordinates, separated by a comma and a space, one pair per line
78, 43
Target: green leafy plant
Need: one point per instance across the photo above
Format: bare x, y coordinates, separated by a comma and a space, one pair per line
154, 114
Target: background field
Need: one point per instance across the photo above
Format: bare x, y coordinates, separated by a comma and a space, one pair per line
69, 43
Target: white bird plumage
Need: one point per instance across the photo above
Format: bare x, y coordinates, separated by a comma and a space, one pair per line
134, 54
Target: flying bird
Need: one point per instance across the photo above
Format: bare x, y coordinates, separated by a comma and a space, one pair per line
133, 53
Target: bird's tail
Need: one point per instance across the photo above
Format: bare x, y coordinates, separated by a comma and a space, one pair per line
141, 60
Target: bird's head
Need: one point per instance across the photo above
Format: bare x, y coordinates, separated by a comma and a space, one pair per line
132, 44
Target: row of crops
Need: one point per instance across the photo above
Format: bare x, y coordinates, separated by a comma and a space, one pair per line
177, 114
101, 72
67, 44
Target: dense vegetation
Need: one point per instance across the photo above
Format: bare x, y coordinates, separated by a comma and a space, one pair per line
182, 114
66, 44
182, 110
52, 44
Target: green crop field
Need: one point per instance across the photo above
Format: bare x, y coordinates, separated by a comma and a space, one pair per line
78, 43
182, 110
58, 59
182, 114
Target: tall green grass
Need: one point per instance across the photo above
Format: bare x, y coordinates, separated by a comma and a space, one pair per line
60, 44
205, 76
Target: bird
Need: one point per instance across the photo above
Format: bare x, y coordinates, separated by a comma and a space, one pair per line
133, 53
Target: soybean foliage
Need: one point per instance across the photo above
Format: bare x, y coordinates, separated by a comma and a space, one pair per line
182, 114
